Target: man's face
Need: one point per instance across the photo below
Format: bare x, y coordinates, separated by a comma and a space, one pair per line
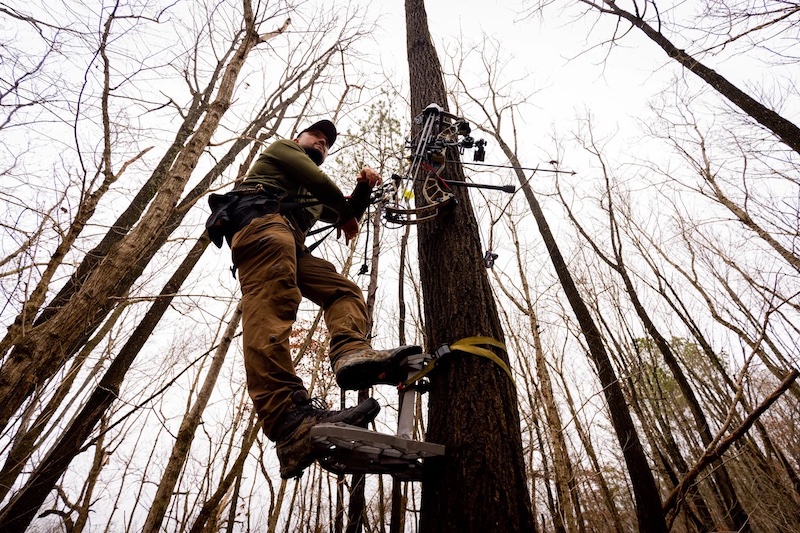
315, 144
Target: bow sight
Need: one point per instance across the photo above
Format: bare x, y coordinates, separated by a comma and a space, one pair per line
479, 145
449, 133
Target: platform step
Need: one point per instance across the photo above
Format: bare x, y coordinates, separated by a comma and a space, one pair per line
415, 361
346, 449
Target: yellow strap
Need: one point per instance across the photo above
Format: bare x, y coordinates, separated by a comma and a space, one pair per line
467, 345
419, 375
471, 341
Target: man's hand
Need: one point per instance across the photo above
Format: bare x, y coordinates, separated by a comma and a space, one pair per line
368, 175
350, 229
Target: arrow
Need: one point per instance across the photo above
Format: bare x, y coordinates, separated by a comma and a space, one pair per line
535, 169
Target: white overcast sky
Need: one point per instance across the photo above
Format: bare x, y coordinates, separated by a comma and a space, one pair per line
550, 51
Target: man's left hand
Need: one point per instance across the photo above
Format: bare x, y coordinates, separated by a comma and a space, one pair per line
369, 175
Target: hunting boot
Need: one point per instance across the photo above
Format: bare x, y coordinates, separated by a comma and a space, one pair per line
363, 368
292, 434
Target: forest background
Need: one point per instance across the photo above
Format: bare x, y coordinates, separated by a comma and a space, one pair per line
123, 399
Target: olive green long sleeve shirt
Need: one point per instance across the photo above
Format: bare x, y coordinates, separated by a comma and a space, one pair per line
284, 165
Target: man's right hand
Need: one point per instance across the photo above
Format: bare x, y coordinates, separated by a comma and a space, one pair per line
350, 229
368, 175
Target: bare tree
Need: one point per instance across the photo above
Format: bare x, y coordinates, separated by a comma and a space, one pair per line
115, 267
456, 496
647, 18
568, 516
19, 375
183, 439
648, 502
615, 259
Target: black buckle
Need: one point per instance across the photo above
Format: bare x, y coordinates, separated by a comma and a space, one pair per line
441, 351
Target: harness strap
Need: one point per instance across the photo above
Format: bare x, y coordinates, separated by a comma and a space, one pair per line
471, 345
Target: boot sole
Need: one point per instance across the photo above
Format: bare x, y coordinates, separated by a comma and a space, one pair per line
361, 375
302, 454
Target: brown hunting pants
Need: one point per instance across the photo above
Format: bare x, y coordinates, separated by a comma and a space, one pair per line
275, 272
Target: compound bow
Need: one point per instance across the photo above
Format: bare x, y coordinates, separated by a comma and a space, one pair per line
439, 131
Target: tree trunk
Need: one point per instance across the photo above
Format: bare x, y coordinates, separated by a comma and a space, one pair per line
648, 501
186, 432
472, 407
84, 507
29, 438
566, 489
16, 515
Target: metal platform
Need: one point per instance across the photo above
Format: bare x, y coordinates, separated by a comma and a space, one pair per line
346, 449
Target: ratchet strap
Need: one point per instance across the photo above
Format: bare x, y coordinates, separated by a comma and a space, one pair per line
471, 345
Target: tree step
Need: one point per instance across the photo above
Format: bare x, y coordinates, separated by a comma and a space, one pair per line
346, 449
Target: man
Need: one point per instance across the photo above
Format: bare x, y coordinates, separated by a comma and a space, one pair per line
265, 221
